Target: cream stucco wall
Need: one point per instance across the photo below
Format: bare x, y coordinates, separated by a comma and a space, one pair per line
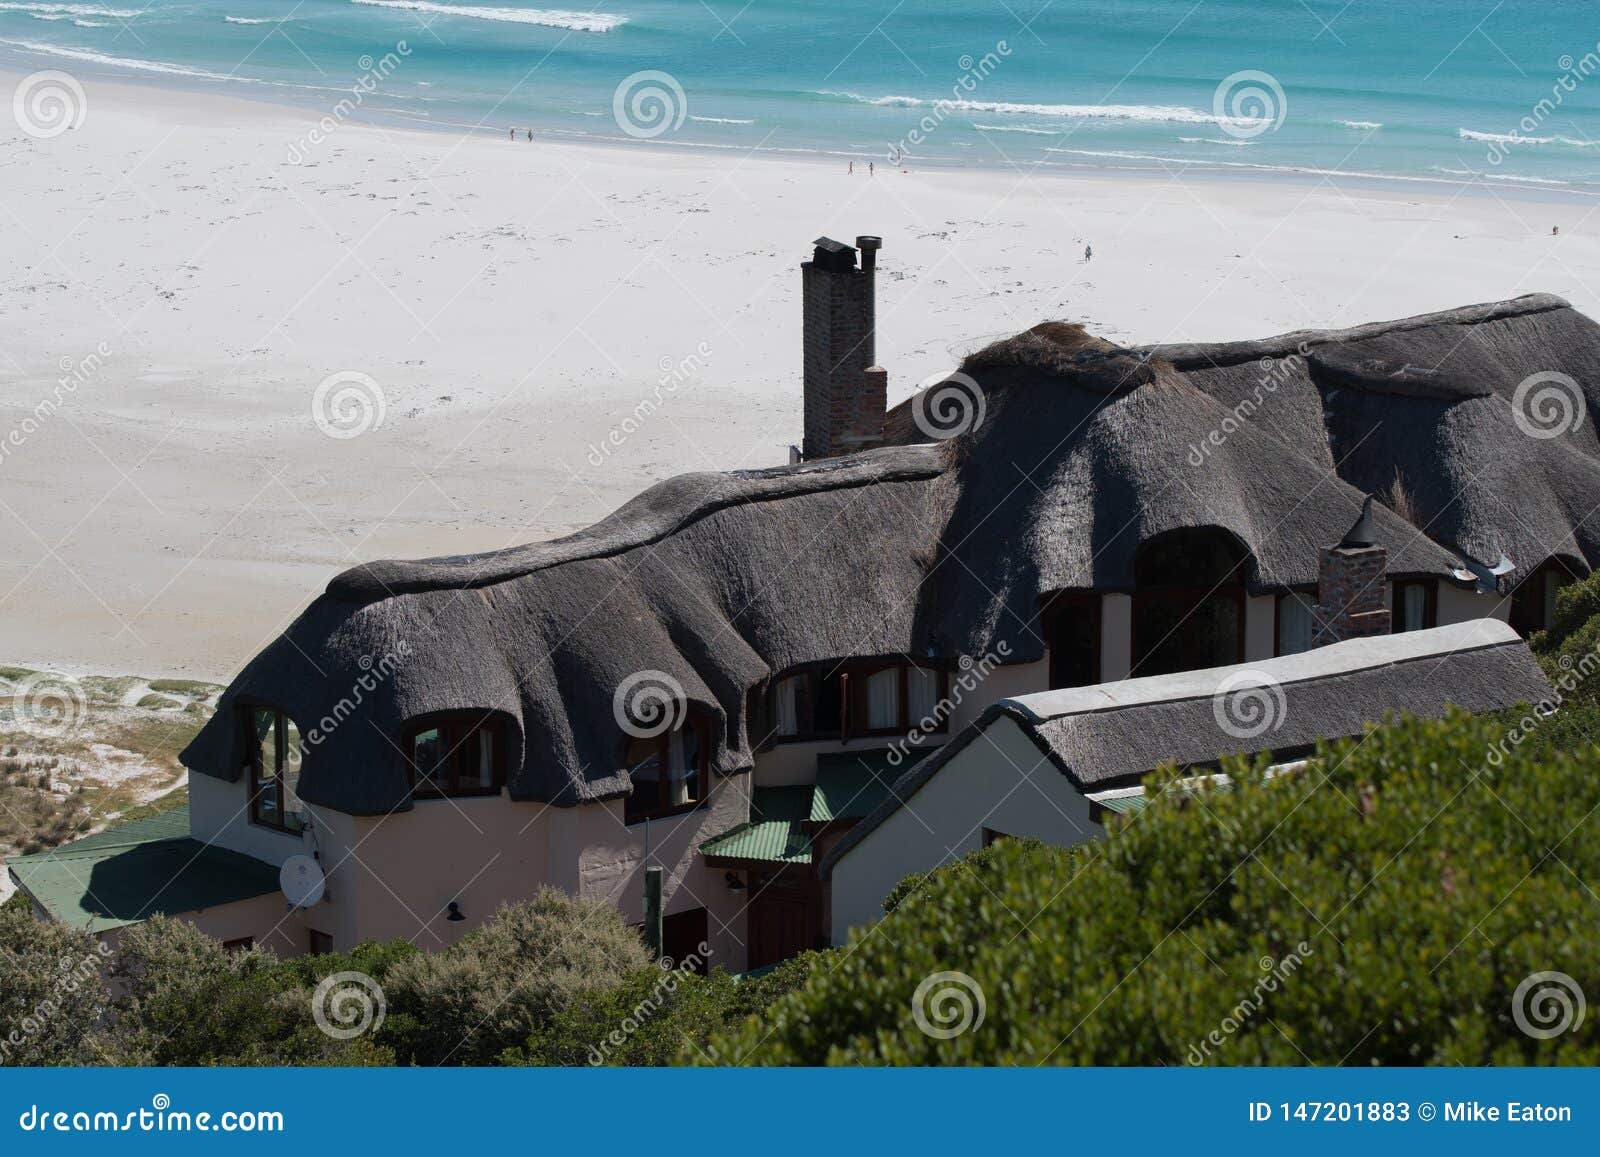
1000, 781
219, 813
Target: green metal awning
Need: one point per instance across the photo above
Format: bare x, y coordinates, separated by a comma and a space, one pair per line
147, 868
851, 783
775, 832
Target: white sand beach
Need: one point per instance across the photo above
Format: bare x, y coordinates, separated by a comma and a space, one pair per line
514, 302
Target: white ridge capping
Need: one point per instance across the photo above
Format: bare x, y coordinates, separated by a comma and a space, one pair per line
1326, 662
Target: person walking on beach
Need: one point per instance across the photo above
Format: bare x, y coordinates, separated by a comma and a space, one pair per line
530, 134
872, 169
513, 133
1088, 253
852, 169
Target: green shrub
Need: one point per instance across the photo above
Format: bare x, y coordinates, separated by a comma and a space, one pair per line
52, 991
506, 980
1381, 907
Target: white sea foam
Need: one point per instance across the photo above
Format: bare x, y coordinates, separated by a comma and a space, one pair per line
161, 66
249, 20
62, 11
1362, 124
1018, 129
1121, 112
547, 18
1519, 139
721, 120
1231, 142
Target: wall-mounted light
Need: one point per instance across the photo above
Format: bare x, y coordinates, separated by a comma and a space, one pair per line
735, 885
453, 912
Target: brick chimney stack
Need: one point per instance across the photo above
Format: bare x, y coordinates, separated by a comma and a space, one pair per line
1352, 586
846, 391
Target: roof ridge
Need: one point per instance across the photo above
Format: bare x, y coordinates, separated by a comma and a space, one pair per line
1199, 355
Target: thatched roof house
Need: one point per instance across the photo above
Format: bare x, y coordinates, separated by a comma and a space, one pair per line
1086, 455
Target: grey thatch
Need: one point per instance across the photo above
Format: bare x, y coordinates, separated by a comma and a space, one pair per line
1114, 734
719, 581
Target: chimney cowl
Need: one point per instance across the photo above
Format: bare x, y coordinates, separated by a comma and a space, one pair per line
869, 247
1361, 534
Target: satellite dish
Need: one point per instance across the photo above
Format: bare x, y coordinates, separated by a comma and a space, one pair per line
302, 881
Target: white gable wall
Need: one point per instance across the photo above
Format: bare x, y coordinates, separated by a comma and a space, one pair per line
1000, 781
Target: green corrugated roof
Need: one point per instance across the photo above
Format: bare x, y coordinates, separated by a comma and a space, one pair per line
851, 783
142, 869
774, 832
1123, 805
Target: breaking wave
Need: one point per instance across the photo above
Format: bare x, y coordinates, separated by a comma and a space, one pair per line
546, 18
1121, 112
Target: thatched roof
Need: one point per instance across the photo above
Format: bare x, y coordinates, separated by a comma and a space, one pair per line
1086, 451
1113, 734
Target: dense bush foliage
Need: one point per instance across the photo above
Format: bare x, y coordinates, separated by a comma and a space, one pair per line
1381, 907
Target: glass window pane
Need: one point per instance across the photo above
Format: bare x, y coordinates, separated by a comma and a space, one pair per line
289, 774
1294, 624
785, 718
687, 754
428, 756
883, 700
264, 759
923, 688
1416, 605
486, 777
644, 769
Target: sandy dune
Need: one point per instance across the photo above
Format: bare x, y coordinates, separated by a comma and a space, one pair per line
514, 302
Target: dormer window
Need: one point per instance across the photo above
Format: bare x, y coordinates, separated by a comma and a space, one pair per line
857, 699
274, 754
458, 755
671, 772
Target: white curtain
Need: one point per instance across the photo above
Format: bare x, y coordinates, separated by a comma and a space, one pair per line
677, 784
485, 757
883, 700
1416, 606
923, 691
1294, 624
785, 718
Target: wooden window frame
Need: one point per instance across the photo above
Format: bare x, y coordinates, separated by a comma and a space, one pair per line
634, 809
455, 729
319, 943
260, 782
854, 703
1430, 603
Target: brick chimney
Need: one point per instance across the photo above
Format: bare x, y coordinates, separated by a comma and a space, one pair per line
1352, 587
846, 391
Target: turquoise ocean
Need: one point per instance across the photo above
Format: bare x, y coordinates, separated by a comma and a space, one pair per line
1505, 93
